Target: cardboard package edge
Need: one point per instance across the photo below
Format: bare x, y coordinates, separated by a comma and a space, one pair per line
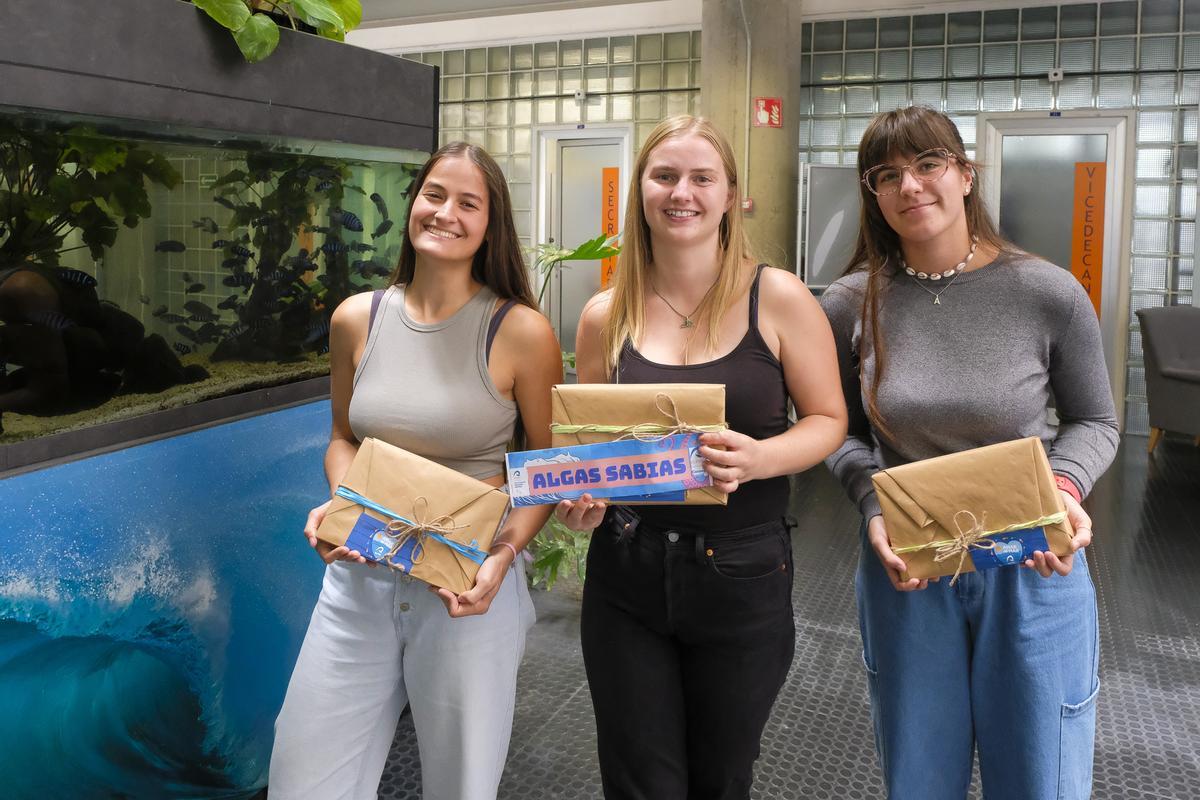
708, 496
341, 506
1058, 537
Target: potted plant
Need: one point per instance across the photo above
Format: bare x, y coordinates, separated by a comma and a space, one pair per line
256, 30
557, 548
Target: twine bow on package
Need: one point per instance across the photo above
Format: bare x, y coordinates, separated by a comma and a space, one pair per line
627, 443
987, 507
414, 515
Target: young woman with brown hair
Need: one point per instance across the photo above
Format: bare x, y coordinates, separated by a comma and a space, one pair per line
951, 338
687, 617
432, 365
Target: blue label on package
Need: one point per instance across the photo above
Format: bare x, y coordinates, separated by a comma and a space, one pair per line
1011, 548
371, 538
625, 470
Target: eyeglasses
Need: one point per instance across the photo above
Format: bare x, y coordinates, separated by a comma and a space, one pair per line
884, 179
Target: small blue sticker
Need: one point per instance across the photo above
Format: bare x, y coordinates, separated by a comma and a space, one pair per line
371, 538
1011, 548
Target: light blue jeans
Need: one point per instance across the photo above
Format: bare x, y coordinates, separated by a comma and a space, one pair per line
378, 641
1004, 659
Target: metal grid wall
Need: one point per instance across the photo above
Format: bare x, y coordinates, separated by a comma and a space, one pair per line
493, 96
1143, 55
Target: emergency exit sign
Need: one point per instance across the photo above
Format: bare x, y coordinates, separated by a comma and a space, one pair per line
768, 112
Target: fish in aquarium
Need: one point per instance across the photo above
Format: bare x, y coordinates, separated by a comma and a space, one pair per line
380, 205
51, 319
196, 307
76, 276
347, 220
283, 238
206, 224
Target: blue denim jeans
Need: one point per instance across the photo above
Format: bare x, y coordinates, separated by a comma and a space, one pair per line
1004, 659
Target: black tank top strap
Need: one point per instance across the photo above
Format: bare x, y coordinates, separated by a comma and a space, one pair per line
754, 297
376, 296
494, 326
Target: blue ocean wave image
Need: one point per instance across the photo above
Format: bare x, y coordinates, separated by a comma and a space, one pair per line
152, 604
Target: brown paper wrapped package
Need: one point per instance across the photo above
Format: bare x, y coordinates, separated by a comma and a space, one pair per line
635, 404
1002, 485
398, 480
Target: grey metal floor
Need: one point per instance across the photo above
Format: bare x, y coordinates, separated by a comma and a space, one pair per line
1146, 565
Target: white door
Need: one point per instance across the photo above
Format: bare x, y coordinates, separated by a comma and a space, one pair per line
1061, 187
581, 194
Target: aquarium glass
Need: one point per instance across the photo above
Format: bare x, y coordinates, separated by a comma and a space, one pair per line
142, 271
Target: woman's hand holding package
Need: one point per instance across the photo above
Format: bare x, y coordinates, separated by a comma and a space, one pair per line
1047, 564
583, 514
892, 563
325, 550
478, 599
732, 466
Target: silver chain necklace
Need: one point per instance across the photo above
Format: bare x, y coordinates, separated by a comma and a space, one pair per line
937, 296
920, 278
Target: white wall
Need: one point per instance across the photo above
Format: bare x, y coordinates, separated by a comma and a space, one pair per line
662, 15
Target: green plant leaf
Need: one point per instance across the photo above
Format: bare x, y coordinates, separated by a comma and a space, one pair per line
232, 14
349, 10
329, 32
594, 248
318, 13
258, 38
233, 176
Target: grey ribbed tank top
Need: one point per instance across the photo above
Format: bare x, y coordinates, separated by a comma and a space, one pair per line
426, 388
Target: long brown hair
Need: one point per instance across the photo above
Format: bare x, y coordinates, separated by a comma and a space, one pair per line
498, 263
627, 308
903, 132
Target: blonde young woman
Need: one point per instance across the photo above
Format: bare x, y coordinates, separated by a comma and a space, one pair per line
687, 617
440, 364
951, 338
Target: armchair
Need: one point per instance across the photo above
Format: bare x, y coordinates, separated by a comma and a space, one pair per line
1171, 345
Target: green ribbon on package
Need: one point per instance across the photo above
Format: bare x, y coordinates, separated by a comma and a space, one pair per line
644, 431
974, 537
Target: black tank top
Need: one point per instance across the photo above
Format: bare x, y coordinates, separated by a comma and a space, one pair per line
756, 401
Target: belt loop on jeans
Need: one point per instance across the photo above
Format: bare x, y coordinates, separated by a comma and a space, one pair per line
699, 537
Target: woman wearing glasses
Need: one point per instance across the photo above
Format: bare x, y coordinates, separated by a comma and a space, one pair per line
952, 338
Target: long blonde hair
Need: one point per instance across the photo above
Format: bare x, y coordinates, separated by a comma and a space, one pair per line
627, 308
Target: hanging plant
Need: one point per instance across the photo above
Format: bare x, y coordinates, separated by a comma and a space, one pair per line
257, 33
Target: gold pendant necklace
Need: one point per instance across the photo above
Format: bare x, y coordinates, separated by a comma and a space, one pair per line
687, 318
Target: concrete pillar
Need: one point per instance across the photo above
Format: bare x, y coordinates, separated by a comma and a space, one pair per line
774, 72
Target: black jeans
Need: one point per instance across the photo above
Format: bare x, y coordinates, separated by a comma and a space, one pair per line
687, 638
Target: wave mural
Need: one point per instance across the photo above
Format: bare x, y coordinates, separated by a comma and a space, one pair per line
152, 603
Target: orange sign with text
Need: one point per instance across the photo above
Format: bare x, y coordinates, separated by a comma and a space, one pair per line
610, 212
1087, 229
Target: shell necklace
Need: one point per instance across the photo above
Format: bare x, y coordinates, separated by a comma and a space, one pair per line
951, 273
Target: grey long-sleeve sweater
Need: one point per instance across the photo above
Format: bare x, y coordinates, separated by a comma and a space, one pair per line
977, 369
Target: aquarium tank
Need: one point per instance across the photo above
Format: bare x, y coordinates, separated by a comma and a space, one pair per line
152, 603
144, 270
